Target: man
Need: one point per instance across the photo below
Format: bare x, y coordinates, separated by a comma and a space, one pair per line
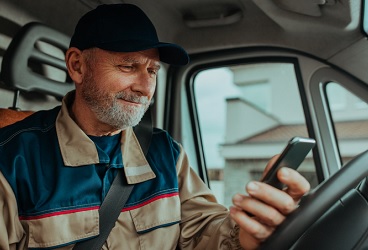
57, 165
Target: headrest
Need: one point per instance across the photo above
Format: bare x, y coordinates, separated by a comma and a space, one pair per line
26, 61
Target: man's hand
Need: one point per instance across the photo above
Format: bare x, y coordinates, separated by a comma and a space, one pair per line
265, 207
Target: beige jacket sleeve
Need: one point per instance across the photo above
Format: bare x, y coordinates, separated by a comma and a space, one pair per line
12, 235
205, 223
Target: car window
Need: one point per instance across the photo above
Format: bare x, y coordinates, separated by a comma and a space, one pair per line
350, 118
246, 114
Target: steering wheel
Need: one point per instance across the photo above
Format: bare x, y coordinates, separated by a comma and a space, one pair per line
317, 202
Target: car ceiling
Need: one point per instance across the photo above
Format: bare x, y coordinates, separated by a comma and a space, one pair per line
327, 29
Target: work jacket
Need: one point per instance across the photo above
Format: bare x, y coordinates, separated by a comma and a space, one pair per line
51, 187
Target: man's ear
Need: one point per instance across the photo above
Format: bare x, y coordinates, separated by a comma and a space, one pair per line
74, 63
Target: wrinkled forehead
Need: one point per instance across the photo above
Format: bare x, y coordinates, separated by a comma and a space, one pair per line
150, 56
139, 57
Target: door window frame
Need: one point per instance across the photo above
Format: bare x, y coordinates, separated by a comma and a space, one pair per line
326, 135
181, 119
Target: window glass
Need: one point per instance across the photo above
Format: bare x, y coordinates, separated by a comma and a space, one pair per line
365, 17
247, 113
350, 117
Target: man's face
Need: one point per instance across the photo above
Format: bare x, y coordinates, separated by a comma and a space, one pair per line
118, 87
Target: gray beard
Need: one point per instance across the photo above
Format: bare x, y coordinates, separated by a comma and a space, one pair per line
109, 110
120, 116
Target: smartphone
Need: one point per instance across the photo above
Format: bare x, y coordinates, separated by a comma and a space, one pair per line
292, 156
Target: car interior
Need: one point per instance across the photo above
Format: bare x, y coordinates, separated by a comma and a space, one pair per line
260, 73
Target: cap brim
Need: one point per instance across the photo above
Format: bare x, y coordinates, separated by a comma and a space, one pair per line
172, 54
169, 53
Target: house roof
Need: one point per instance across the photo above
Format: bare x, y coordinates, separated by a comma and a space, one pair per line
344, 130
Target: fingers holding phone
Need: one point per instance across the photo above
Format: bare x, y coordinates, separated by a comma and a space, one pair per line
281, 173
266, 207
294, 183
292, 156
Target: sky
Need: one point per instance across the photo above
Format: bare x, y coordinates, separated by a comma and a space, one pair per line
210, 87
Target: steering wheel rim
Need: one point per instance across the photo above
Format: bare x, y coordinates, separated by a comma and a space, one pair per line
318, 201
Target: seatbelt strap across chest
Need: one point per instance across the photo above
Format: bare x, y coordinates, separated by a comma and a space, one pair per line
119, 191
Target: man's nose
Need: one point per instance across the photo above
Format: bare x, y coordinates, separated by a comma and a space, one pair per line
144, 83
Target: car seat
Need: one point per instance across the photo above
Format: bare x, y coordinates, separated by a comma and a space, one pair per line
34, 62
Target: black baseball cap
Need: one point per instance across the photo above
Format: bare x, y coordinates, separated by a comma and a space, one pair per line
123, 28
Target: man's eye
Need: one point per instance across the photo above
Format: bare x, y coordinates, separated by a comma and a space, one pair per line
125, 67
153, 72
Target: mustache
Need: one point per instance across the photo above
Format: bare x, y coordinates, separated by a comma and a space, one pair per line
132, 98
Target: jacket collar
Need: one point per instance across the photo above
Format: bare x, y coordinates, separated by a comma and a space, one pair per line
77, 149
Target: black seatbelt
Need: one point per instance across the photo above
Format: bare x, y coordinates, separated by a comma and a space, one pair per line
119, 191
